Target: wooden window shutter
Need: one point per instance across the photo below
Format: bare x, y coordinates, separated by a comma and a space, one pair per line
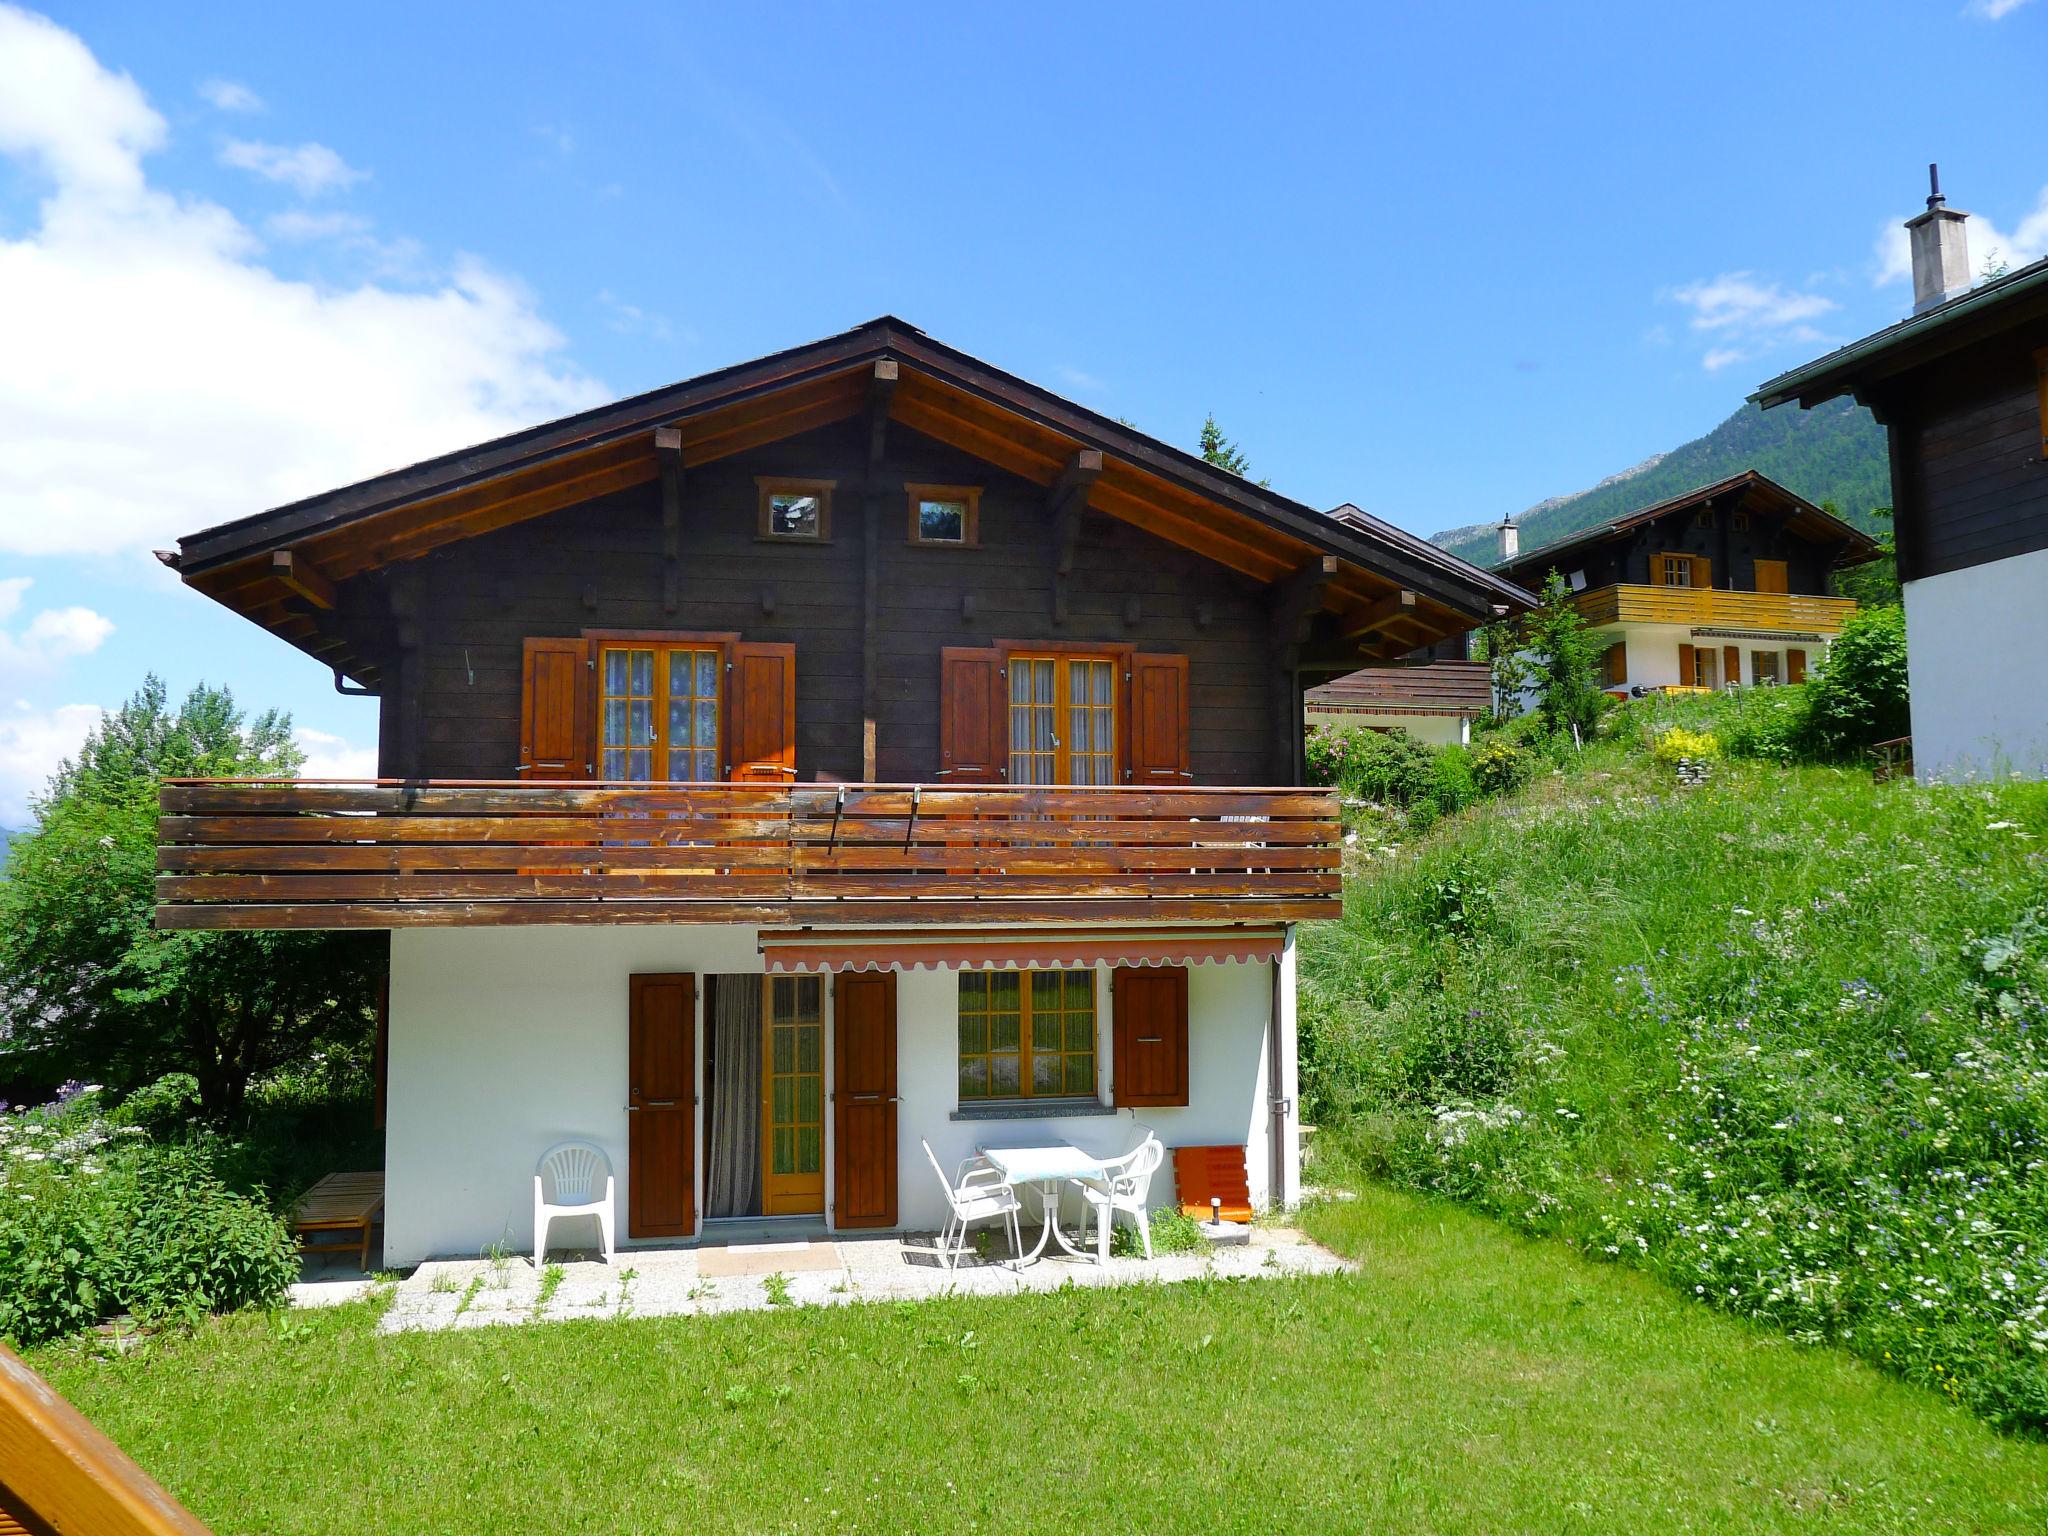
1795, 666
555, 716
1150, 1035
1702, 571
974, 717
761, 714
1771, 576
1656, 570
1731, 665
1687, 675
1617, 664
1159, 720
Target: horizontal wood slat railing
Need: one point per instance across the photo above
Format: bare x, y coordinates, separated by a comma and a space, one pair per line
1628, 603
285, 854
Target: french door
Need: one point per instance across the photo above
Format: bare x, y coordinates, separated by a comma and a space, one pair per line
792, 1095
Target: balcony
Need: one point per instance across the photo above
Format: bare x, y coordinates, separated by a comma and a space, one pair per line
1794, 613
277, 854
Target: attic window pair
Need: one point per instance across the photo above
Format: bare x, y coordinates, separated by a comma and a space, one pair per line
800, 512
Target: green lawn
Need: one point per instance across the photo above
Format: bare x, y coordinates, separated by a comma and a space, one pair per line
1465, 1380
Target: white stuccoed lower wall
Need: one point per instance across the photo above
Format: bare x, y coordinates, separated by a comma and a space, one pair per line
504, 1041
1437, 730
1974, 639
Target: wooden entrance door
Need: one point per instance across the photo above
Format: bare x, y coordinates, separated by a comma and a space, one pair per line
661, 1107
864, 1099
793, 1096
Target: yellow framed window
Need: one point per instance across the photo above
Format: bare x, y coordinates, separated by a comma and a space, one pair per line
793, 1084
1063, 725
659, 711
1027, 1034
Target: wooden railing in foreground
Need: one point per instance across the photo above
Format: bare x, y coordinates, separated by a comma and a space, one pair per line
1629, 603
60, 1474
287, 854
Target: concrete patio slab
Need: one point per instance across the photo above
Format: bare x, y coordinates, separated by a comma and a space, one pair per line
665, 1282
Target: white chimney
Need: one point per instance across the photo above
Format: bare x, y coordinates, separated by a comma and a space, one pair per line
1941, 249
1510, 539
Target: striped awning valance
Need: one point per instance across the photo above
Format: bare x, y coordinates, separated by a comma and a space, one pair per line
998, 949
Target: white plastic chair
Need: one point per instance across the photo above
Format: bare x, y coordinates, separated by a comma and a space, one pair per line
1126, 1182
976, 1192
566, 1184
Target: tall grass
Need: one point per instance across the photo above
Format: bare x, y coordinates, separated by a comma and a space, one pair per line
1775, 1039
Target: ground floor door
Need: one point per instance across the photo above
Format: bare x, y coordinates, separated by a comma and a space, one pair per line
864, 1099
793, 1096
661, 1101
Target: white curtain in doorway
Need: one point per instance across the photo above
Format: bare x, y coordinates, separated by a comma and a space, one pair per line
732, 1173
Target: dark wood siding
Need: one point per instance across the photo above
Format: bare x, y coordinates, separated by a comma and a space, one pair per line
1975, 478
599, 566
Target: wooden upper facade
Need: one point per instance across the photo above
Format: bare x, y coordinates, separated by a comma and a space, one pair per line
1743, 534
869, 562
1962, 391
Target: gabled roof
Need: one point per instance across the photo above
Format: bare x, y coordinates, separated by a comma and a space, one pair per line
1983, 311
939, 391
1760, 491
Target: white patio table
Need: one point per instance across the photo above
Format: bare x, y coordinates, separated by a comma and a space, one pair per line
1047, 1166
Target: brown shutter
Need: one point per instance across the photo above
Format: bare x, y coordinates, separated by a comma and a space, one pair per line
1617, 664
1687, 676
1702, 571
864, 1098
974, 717
1795, 666
761, 714
1656, 570
1771, 576
661, 1100
555, 716
1731, 665
1159, 720
1151, 1035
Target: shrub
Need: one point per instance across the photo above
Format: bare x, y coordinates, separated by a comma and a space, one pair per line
1389, 767
1173, 1231
1859, 697
1501, 765
95, 1221
161, 1107
1766, 724
1678, 745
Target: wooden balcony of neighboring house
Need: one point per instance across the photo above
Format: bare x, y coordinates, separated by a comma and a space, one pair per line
1792, 613
277, 854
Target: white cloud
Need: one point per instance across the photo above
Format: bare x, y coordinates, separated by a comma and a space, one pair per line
631, 319
2027, 241
53, 635
230, 96
1992, 10
159, 377
308, 169
334, 757
1742, 315
33, 743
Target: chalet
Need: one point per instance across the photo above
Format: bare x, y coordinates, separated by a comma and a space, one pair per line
1961, 386
856, 747
1722, 587
1433, 701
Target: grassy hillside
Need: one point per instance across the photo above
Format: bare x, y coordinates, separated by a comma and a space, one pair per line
1835, 452
1776, 1040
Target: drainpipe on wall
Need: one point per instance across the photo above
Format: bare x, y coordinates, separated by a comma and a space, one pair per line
1280, 1105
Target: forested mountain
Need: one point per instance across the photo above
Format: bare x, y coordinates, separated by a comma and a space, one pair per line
1835, 452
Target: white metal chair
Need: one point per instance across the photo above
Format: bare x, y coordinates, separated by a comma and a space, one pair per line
1126, 1183
567, 1184
976, 1192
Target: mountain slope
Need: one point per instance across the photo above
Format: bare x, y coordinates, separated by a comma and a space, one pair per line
1835, 453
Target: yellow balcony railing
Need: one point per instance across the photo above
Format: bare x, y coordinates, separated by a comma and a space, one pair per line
1796, 611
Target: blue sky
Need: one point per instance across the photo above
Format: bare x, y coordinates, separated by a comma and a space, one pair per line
1440, 261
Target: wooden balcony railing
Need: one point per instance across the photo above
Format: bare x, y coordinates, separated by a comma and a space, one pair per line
1793, 612
290, 854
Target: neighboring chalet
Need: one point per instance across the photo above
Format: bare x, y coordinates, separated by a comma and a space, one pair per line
850, 748
1722, 587
1433, 701
1962, 389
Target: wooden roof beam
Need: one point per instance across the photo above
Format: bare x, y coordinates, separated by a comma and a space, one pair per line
881, 393
1298, 599
1392, 607
668, 453
303, 577
1066, 501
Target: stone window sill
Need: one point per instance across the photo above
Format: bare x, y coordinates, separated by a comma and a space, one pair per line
1033, 1109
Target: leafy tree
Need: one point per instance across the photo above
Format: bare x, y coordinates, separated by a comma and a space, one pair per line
1875, 582
1224, 454
1859, 697
89, 988
1562, 660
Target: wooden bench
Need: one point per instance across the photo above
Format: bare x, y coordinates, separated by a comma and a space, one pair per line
1202, 1172
341, 1202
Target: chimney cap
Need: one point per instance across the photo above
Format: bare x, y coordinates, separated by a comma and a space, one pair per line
1934, 197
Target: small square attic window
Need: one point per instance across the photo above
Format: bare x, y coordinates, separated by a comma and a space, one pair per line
795, 511
945, 516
